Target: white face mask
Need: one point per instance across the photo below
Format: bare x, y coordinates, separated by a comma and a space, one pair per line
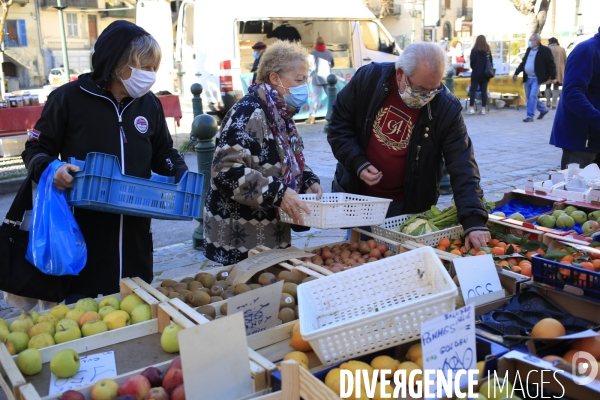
139, 83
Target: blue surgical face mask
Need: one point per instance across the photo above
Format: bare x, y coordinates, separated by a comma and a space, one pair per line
255, 54
298, 95
529, 43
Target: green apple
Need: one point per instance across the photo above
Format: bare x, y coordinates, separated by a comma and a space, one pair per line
29, 361
169, 339
48, 317
12, 350
89, 316
570, 209
4, 331
130, 302
105, 389
66, 323
117, 319
32, 315
65, 363
110, 301
19, 339
67, 334
3, 322
141, 313
104, 311
87, 304
40, 327
93, 328
496, 390
60, 311
75, 314
40, 341
21, 325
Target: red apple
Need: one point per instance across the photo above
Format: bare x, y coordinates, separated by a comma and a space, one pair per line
154, 375
72, 395
176, 363
178, 393
172, 379
157, 393
137, 386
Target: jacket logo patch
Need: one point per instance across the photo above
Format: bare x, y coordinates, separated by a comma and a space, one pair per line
34, 135
141, 124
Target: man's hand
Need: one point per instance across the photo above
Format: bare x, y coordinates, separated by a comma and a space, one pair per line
292, 205
62, 179
315, 188
477, 239
371, 176
514, 78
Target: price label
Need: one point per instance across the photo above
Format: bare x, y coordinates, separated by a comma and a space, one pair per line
260, 307
478, 277
92, 369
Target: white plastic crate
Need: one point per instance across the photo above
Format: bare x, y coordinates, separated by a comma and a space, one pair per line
374, 307
341, 210
387, 230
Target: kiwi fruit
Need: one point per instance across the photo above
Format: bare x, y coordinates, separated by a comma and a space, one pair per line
169, 289
223, 284
199, 275
215, 299
179, 286
287, 315
198, 298
241, 288
227, 294
175, 295
215, 290
266, 278
309, 278
208, 317
184, 292
207, 310
223, 309
204, 289
162, 290
194, 285
208, 280
291, 289
187, 280
221, 276
168, 282
288, 276
255, 286
287, 301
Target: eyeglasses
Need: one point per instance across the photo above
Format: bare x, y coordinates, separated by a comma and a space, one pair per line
422, 92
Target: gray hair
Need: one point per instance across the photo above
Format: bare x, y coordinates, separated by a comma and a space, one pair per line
536, 36
422, 54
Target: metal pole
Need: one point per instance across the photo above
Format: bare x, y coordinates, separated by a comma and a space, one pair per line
412, 35
196, 90
63, 40
331, 95
2, 92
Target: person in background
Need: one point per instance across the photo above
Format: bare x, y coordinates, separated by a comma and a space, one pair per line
479, 57
259, 48
111, 111
321, 61
538, 67
576, 128
258, 164
560, 59
390, 128
285, 32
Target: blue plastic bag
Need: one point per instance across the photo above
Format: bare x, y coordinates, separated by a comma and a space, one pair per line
56, 245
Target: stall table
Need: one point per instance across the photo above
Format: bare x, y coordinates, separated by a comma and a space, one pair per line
500, 84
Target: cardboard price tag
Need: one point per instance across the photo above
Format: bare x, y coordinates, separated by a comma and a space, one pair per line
260, 307
478, 279
92, 368
448, 344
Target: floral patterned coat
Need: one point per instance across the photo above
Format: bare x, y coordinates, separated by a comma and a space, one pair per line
246, 186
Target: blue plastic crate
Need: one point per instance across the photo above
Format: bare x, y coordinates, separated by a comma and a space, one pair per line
101, 186
549, 272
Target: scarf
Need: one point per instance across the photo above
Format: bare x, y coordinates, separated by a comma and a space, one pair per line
287, 140
321, 47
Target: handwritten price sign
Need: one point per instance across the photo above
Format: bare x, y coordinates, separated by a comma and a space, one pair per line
92, 369
449, 345
260, 307
478, 279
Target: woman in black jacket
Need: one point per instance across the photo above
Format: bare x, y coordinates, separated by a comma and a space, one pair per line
479, 55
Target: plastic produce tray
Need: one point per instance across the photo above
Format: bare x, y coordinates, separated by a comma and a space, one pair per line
341, 210
100, 186
547, 271
379, 305
387, 230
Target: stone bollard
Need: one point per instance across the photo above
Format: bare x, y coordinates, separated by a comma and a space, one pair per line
450, 80
204, 129
196, 90
331, 95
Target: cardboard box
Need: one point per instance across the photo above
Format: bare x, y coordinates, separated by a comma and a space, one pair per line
528, 197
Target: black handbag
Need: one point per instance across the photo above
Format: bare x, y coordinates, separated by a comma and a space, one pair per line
490, 72
17, 275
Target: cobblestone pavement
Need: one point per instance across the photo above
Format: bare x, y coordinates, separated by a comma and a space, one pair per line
508, 152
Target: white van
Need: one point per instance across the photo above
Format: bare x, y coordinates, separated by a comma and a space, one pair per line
214, 40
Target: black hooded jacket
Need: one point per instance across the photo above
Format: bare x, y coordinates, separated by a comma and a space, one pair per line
82, 117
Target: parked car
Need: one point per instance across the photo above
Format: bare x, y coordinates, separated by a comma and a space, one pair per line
57, 75
576, 41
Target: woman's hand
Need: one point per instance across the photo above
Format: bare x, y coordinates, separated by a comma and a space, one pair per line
291, 204
62, 179
315, 188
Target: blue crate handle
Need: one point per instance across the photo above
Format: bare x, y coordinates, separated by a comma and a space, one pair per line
154, 177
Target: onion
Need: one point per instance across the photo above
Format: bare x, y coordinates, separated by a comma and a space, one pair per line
345, 254
364, 248
355, 256
353, 246
388, 253
326, 254
372, 243
375, 253
382, 248
371, 259
329, 261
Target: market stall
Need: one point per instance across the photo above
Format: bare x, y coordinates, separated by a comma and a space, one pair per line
512, 92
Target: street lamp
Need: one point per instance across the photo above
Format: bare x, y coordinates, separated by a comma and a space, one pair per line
414, 8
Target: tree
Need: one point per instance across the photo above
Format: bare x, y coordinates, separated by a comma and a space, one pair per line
5, 6
527, 8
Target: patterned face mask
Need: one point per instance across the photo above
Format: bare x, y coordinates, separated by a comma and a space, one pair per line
417, 98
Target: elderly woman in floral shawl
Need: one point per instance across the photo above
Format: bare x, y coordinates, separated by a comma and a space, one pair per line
258, 163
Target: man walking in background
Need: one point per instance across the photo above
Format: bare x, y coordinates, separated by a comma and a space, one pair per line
321, 61
560, 59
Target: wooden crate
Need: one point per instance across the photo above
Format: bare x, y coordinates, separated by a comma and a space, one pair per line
298, 383
308, 268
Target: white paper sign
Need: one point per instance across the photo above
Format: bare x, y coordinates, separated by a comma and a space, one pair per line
92, 368
260, 307
448, 344
477, 277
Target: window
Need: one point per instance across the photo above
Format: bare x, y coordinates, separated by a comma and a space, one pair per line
447, 30
72, 29
448, 4
374, 38
15, 34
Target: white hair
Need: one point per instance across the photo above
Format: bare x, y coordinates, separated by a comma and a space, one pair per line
422, 54
536, 36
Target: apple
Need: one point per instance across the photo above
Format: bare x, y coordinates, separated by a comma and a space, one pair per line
88, 316
60, 311
125, 397
4, 331
87, 304
154, 376
130, 302
157, 393
21, 325
178, 393
29, 361
104, 311
47, 318
42, 327
172, 379
111, 301
66, 323
3, 322
75, 314
176, 363
169, 340
40, 341
19, 339
72, 395
10, 347
65, 363
105, 389
67, 334
137, 386
141, 313
32, 315
93, 328
117, 319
